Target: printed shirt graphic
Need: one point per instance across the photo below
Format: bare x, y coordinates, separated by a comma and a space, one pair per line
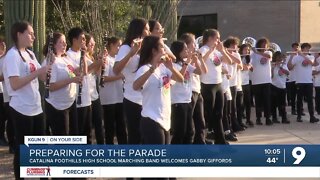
279, 77
26, 100
62, 68
261, 73
213, 76
156, 99
182, 92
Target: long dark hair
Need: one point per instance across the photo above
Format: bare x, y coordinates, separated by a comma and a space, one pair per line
261, 41
176, 48
111, 41
20, 27
135, 30
148, 44
246, 57
56, 37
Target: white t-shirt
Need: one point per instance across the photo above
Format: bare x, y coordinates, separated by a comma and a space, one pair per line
234, 76
303, 73
25, 100
292, 76
156, 99
6, 97
279, 78
225, 85
182, 92
129, 73
92, 83
62, 68
112, 92
85, 96
1, 64
316, 79
261, 73
213, 76
245, 74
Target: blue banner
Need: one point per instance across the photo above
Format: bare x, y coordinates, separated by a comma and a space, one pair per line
170, 155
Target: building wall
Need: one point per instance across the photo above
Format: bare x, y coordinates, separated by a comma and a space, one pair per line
310, 22
276, 20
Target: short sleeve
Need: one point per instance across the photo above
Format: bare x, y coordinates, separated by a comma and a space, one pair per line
12, 61
140, 72
123, 51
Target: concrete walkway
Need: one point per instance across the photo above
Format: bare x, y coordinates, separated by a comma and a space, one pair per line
293, 133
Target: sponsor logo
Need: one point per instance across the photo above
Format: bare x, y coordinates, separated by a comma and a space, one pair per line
38, 171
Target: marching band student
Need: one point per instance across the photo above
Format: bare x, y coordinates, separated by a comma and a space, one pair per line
21, 71
231, 44
182, 124
278, 88
247, 67
240, 96
126, 62
111, 95
261, 79
291, 83
303, 64
157, 30
60, 106
153, 80
196, 99
316, 84
4, 106
213, 53
93, 69
77, 40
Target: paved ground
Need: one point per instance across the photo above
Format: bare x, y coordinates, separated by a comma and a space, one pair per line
294, 133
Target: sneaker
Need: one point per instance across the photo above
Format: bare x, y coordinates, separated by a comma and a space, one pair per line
303, 114
314, 120
3, 142
258, 122
238, 128
299, 119
294, 112
229, 137
210, 135
275, 120
208, 141
250, 123
269, 122
243, 125
285, 121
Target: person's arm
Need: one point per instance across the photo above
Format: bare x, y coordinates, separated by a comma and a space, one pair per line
120, 65
140, 81
176, 75
17, 82
113, 78
225, 57
290, 63
60, 84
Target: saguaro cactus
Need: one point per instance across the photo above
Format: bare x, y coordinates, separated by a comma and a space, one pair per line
32, 11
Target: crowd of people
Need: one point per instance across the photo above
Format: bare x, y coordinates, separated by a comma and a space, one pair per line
140, 91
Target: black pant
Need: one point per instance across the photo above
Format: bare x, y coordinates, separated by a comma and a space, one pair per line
114, 123
152, 132
226, 114
181, 123
85, 122
3, 117
213, 110
239, 107
97, 121
24, 126
234, 122
262, 100
9, 127
305, 89
317, 99
292, 90
278, 101
133, 117
62, 122
246, 101
198, 118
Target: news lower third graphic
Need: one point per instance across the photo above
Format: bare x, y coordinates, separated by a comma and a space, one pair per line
69, 156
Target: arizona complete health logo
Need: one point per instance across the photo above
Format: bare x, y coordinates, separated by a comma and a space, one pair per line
38, 171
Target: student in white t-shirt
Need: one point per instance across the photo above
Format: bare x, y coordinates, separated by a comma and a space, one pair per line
182, 127
60, 106
111, 96
196, 99
261, 80
246, 87
94, 66
231, 44
316, 84
291, 83
303, 64
126, 62
77, 40
153, 80
280, 73
213, 54
21, 71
